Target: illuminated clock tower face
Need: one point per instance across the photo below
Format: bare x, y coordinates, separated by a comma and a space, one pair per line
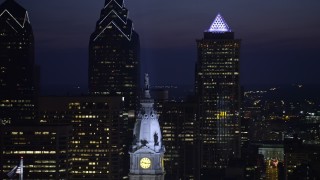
145, 163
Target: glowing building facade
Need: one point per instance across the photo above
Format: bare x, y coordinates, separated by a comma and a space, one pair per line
17, 67
97, 146
45, 151
217, 89
114, 55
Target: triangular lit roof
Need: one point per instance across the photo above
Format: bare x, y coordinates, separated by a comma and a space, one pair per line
219, 25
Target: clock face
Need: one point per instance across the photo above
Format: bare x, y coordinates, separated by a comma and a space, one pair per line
145, 163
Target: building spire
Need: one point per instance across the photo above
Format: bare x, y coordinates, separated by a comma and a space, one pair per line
146, 86
219, 25
119, 2
147, 151
114, 15
15, 11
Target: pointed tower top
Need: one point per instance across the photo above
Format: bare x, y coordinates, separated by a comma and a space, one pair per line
219, 25
146, 86
16, 11
119, 2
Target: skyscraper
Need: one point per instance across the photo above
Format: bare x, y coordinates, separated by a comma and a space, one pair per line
147, 151
114, 55
217, 89
17, 67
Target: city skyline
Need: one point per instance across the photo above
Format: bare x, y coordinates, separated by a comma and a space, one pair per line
90, 125
269, 49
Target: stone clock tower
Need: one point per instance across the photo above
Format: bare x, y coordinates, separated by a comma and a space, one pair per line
146, 154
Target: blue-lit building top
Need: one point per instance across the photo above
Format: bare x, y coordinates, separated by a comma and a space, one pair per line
219, 25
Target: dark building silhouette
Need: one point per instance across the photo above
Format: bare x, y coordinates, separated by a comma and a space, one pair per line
178, 121
44, 148
218, 92
302, 160
114, 55
17, 67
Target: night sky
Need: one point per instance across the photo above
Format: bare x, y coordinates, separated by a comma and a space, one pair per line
280, 39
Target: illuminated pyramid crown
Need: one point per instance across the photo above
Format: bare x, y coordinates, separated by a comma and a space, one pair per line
219, 25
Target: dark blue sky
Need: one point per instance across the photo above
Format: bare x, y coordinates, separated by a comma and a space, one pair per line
281, 39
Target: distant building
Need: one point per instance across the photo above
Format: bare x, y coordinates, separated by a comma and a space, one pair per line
252, 121
308, 128
17, 66
114, 62
45, 151
97, 147
302, 161
147, 151
218, 92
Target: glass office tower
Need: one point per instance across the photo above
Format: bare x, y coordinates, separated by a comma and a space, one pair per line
114, 55
217, 87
